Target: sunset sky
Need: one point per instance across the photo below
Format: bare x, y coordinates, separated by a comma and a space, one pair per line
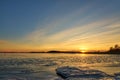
35, 25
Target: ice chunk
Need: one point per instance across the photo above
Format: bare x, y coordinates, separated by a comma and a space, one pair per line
104, 78
117, 76
68, 72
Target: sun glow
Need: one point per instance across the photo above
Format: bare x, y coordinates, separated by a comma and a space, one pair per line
83, 49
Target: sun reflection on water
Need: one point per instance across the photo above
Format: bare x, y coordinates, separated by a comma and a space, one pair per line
83, 54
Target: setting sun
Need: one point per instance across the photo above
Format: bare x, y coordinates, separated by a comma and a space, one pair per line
83, 49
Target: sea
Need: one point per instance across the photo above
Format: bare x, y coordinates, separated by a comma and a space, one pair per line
42, 66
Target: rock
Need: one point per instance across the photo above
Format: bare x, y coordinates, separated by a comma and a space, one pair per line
69, 73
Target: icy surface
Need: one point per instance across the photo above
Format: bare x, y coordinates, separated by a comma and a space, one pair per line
117, 76
73, 73
25, 66
105, 78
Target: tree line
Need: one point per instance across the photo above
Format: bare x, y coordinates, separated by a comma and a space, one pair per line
115, 49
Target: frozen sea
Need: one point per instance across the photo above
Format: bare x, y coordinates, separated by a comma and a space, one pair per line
41, 66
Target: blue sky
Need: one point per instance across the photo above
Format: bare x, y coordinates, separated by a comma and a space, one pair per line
71, 24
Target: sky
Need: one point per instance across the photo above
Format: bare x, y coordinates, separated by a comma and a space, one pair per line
40, 25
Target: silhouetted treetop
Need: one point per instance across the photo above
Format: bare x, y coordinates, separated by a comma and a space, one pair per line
115, 49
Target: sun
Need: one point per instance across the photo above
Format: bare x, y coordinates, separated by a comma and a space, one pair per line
83, 49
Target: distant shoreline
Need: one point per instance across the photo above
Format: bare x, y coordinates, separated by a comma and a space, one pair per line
112, 50
68, 52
